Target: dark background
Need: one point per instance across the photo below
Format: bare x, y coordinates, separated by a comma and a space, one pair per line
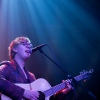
70, 27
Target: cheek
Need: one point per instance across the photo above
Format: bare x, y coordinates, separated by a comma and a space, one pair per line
21, 49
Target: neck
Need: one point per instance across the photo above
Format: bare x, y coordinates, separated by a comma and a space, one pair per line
20, 61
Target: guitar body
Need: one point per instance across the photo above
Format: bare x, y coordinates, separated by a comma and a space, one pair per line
38, 85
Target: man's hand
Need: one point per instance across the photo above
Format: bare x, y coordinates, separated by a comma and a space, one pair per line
31, 95
68, 86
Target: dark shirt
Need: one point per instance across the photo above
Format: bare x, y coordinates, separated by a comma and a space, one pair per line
10, 73
13, 73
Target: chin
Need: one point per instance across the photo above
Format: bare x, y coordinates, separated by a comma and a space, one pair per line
26, 58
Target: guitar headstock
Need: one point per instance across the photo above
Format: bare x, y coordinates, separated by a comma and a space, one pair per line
84, 75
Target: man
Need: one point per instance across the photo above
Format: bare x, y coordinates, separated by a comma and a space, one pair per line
15, 71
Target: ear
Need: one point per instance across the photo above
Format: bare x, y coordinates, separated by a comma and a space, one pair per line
15, 50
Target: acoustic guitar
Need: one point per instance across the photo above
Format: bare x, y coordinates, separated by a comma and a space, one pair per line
44, 86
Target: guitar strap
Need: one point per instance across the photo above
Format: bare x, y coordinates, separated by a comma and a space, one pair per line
6, 62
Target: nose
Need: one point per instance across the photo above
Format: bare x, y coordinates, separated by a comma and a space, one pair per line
28, 46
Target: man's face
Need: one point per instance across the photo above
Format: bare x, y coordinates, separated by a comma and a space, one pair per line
24, 50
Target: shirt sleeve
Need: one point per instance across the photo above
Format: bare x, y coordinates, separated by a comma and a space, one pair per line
7, 88
11, 90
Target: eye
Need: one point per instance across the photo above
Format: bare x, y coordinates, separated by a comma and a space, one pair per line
27, 44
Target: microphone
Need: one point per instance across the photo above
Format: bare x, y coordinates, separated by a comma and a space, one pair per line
37, 48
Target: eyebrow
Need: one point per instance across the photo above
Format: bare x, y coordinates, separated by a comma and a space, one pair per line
27, 43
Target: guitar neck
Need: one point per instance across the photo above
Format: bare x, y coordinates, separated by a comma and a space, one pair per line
59, 87
54, 89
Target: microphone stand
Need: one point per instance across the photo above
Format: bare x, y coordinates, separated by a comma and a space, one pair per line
69, 76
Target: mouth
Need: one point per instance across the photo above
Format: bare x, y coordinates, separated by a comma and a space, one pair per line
28, 51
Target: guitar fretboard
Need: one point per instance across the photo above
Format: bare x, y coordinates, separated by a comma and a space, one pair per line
54, 89
61, 86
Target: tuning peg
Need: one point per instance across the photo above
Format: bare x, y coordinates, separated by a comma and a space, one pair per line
91, 71
84, 71
81, 73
